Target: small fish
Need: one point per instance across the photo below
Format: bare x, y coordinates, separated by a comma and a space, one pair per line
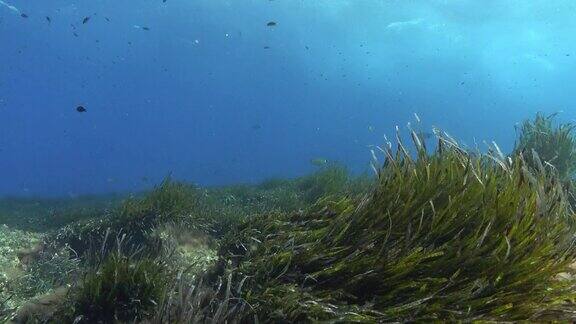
23, 15
75, 34
319, 162
266, 47
107, 19
370, 128
80, 109
271, 24
141, 27
48, 19
85, 20
256, 127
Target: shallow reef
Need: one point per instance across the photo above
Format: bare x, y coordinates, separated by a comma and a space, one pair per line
437, 234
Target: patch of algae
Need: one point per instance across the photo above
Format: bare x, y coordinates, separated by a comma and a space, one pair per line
12, 242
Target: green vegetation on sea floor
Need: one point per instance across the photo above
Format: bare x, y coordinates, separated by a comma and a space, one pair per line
443, 234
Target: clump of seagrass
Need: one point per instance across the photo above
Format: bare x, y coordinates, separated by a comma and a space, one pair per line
5, 310
445, 235
555, 144
329, 180
122, 285
197, 302
287, 195
169, 202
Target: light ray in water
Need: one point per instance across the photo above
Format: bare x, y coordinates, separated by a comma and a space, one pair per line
400, 25
9, 6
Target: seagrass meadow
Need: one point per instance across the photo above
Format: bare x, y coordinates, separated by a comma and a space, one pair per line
439, 232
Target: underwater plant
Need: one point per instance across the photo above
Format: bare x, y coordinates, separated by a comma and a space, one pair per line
47, 271
198, 302
122, 283
555, 144
329, 180
446, 235
169, 202
122, 288
235, 204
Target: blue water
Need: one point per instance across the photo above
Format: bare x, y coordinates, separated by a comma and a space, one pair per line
212, 95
